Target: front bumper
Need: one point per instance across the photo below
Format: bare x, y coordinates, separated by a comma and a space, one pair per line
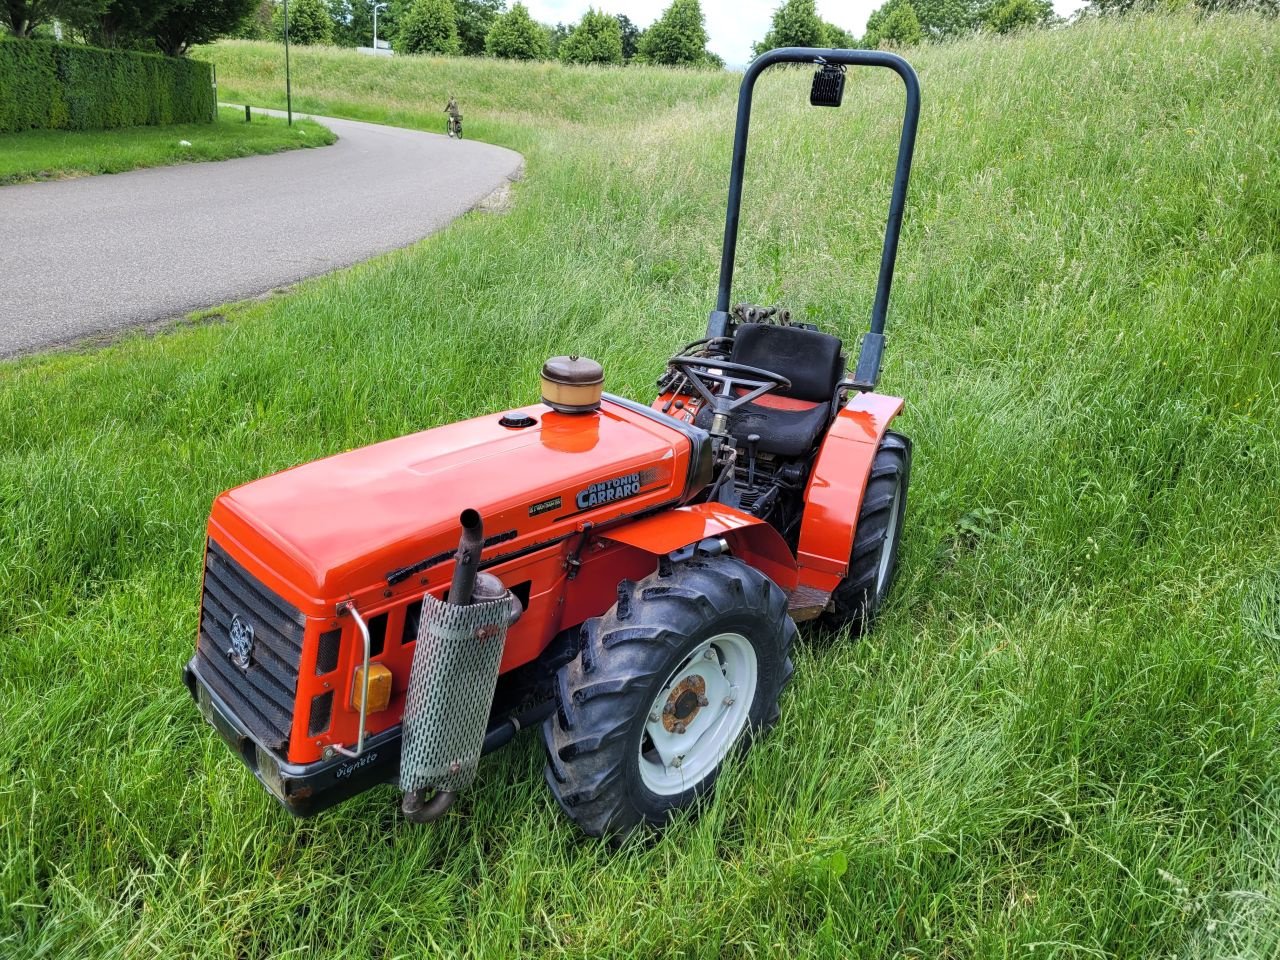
303, 789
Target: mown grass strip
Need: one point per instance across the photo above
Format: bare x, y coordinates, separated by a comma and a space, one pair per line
60, 154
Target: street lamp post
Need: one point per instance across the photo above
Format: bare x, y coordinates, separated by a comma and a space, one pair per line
376, 8
288, 86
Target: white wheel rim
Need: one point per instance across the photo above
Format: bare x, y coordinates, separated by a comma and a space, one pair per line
722, 671
890, 534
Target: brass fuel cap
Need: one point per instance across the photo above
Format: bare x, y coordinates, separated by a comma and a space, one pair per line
572, 384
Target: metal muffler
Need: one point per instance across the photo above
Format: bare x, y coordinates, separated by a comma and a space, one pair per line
452, 681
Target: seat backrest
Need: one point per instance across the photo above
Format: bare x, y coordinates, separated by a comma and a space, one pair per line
809, 359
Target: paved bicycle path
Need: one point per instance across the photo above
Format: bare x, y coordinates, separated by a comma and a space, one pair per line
99, 254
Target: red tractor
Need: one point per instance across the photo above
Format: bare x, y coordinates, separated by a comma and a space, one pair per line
629, 576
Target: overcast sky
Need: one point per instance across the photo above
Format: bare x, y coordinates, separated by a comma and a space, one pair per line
734, 25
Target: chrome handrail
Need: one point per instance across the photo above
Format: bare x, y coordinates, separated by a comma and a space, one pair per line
363, 627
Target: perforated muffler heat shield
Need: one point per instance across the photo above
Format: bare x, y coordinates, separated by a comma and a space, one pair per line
451, 684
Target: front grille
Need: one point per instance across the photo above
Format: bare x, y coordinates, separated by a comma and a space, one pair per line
262, 695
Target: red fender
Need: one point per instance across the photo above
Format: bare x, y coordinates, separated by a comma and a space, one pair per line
834, 495
750, 538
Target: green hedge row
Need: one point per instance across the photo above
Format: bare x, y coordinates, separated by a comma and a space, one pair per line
71, 87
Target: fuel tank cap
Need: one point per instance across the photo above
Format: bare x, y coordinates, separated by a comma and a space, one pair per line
572, 384
516, 420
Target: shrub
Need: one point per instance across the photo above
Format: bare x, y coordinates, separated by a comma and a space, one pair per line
515, 36
59, 86
429, 26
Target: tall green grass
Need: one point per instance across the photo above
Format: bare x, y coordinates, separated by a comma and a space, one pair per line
1060, 741
499, 99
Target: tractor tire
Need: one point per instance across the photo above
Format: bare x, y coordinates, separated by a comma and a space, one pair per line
696, 650
874, 558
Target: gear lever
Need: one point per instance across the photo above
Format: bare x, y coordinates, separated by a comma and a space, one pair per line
752, 440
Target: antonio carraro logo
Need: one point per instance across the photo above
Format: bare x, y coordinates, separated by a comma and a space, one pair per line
614, 489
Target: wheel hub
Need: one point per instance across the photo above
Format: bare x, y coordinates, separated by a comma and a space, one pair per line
682, 706
698, 714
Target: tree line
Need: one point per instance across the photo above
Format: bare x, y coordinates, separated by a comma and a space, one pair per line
476, 28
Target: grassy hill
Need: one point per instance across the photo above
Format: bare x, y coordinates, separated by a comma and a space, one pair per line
1060, 741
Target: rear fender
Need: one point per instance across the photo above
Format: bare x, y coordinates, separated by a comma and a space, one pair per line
749, 538
836, 486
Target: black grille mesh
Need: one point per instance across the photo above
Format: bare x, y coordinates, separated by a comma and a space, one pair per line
321, 711
327, 652
262, 696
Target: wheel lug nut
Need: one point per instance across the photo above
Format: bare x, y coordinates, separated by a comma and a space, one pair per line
680, 727
710, 654
654, 718
728, 701
669, 709
678, 761
703, 701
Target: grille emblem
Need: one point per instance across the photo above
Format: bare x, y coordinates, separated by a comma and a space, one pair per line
241, 637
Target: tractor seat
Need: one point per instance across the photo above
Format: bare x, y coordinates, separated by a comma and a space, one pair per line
788, 422
789, 431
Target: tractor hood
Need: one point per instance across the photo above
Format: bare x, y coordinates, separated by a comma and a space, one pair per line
372, 519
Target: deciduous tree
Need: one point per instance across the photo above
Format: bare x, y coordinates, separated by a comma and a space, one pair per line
795, 24
678, 37
121, 23
23, 16
258, 24
556, 36
169, 26
838, 38
516, 36
1008, 16
429, 26
183, 24
596, 39
309, 22
630, 36
938, 19
893, 25
1126, 6
475, 19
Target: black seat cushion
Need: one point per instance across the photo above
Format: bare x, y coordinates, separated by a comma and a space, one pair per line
787, 433
809, 359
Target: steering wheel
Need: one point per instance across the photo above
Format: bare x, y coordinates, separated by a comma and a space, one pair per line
706, 372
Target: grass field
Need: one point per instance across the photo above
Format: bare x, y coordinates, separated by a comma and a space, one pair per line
59, 154
1061, 740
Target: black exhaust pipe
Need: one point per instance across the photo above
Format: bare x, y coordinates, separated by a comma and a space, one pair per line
467, 558
417, 809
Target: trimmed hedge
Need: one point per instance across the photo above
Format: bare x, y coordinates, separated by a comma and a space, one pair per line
61, 86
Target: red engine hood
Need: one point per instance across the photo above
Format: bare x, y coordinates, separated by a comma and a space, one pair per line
337, 526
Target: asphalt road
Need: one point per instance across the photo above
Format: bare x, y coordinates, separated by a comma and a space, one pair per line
80, 258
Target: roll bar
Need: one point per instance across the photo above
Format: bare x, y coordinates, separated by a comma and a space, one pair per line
868, 370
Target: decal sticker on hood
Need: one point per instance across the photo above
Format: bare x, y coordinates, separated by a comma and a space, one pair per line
614, 489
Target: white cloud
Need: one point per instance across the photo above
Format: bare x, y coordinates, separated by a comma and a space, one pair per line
734, 25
